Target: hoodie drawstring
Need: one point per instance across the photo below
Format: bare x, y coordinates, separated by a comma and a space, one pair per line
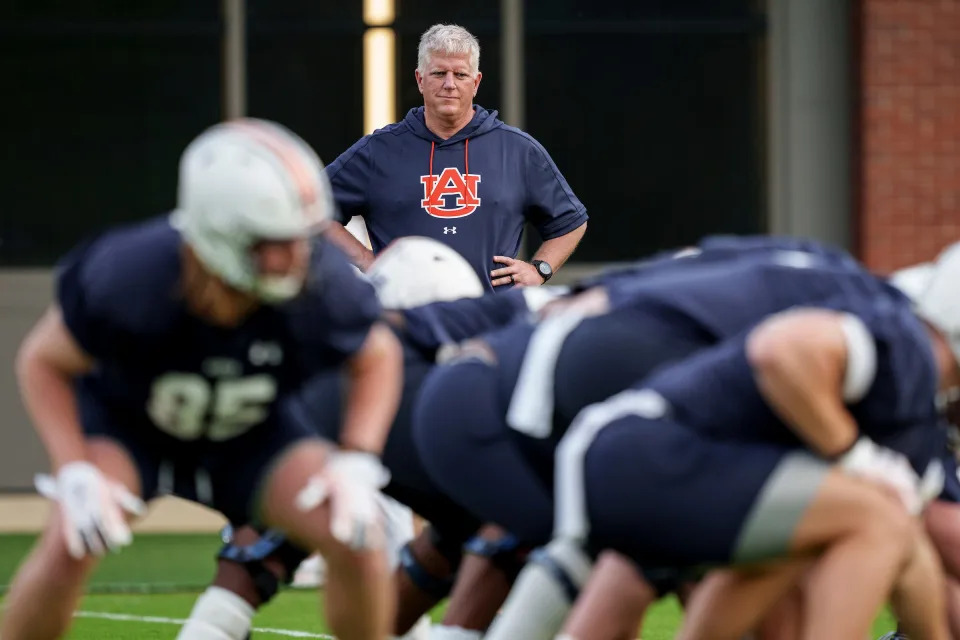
466, 156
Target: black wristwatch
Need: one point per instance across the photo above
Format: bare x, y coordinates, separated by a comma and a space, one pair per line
543, 268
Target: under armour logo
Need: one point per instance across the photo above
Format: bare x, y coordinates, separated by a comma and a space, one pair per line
447, 230
262, 353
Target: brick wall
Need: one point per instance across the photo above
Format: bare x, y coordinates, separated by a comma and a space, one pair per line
909, 68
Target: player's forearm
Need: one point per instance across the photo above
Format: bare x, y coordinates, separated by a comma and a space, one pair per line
52, 405
376, 378
356, 252
557, 251
822, 422
799, 387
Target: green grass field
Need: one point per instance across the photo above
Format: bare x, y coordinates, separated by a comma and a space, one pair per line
144, 591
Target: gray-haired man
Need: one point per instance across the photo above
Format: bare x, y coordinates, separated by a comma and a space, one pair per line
452, 171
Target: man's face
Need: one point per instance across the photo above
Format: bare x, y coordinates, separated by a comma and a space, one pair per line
448, 86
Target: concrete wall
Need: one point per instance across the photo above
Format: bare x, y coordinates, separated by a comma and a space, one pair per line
810, 103
23, 296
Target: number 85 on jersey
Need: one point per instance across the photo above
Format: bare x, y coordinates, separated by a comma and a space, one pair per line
188, 406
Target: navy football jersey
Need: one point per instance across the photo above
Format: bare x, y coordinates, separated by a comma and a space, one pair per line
733, 245
160, 367
428, 327
714, 391
681, 310
708, 299
432, 325
721, 248
722, 296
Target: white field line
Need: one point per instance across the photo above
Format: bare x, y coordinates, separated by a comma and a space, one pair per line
123, 617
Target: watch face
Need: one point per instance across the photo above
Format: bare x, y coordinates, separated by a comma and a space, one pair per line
543, 268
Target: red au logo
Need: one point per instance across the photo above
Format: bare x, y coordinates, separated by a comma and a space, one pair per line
450, 182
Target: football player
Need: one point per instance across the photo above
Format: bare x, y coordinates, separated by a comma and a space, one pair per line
927, 285
162, 367
525, 385
408, 275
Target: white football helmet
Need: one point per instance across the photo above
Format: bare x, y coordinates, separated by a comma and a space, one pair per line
244, 181
414, 271
912, 281
934, 289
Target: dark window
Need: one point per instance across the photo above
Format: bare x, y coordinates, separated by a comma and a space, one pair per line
654, 10
101, 99
658, 135
652, 110
94, 11
305, 70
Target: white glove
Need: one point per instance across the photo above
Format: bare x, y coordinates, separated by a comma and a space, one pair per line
351, 481
870, 461
931, 483
92, 507
398, 527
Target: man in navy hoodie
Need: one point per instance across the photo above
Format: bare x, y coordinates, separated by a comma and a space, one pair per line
452, 171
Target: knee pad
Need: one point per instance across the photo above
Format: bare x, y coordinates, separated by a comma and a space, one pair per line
250, 557
290, 557
424, 580
451, 550
504, 553
567, 563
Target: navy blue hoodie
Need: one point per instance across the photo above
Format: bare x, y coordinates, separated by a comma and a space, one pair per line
473, 191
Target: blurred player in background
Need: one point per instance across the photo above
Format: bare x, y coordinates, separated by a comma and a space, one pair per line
452, 171
409, 274
399, 521
853, 366
162, 367
929, 286
537, 379
932, 287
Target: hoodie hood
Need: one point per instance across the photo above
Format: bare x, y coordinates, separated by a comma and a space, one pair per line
482, 122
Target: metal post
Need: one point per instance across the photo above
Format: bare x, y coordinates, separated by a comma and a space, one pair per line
512, 82
810, 119
234, 59
511, 62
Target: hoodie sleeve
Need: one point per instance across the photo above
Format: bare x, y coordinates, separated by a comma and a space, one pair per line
349, 175
551, 205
